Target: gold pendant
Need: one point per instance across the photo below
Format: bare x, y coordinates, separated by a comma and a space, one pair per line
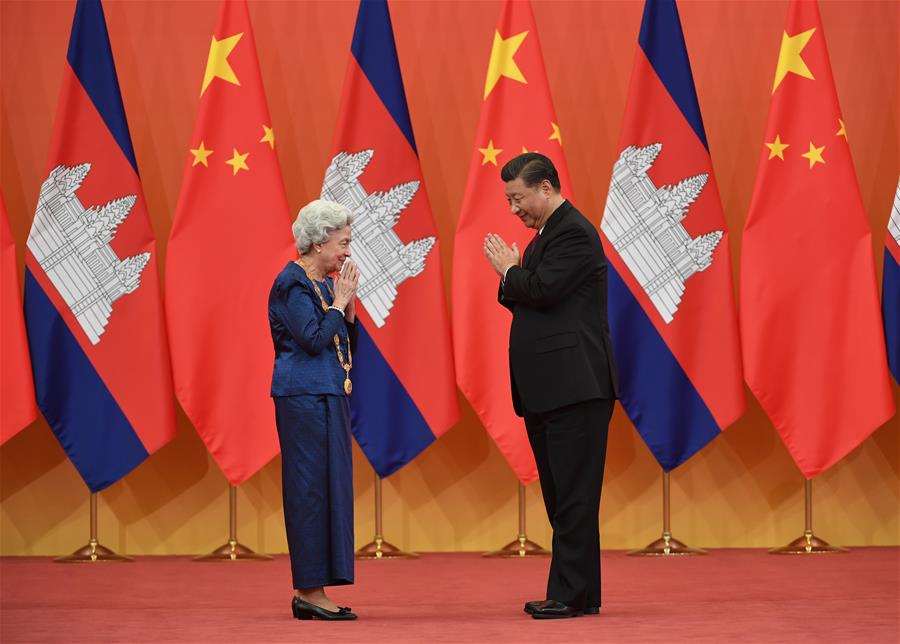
348, 386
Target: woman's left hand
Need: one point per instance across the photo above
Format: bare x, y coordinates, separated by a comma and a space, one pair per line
350, 311
350, 275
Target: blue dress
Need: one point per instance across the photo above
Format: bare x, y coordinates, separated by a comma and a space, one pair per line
312, 414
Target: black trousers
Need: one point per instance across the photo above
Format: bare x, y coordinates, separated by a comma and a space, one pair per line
569, 447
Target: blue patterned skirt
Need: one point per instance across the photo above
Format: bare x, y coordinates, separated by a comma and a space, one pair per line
317, 486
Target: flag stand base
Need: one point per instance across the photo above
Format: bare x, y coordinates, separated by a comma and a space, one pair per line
381, 549
233, 551
808, 544
666, 546
92, 552
521, 547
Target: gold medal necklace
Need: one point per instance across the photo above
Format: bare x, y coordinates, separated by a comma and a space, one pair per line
346, 366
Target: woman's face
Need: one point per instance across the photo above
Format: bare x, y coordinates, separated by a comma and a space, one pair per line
333, 252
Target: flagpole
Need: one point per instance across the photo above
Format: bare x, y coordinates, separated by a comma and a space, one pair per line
666, 545
233, 550
94, 551
808, 543
379, 548
522, 546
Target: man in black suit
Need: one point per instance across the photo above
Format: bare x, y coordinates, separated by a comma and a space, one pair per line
561, 370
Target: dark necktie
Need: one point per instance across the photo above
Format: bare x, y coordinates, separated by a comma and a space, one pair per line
530, 248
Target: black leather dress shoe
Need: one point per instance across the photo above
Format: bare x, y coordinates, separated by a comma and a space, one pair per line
306, 610
552, 609
531, 606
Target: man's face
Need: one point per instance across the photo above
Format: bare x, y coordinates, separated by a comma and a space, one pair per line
529, 204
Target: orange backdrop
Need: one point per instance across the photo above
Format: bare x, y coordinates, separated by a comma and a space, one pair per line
742, 490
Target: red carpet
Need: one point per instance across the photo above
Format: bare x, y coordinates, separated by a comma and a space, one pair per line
728, 596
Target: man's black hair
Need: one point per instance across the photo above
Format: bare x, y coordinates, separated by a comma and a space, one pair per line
533, 168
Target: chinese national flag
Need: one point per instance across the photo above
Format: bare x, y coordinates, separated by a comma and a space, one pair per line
230, 237
517, 115
813, 343
16, 385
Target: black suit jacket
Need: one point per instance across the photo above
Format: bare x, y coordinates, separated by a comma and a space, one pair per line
560, 351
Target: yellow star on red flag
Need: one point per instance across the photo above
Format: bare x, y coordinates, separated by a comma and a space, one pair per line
217, 63
489, 153
556, 135
201, 154
269, 136
776, 148
502, 63
814, 155
238, 161
789, 60
842, 131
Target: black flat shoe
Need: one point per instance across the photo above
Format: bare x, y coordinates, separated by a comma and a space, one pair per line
551, 609
530, 607
306, 610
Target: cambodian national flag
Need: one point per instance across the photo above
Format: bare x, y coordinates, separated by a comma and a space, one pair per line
404, 391
671, 299
890, 300
93, 310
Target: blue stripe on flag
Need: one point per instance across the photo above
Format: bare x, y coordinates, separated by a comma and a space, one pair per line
662, 40
91, 58
86, 419
374, 49
388, 426
890, 306
656, 393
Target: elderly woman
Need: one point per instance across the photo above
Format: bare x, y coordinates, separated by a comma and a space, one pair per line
313, 327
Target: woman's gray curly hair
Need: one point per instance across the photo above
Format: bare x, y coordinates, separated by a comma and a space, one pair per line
316, 221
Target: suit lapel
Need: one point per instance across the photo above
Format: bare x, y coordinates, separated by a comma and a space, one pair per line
533, 258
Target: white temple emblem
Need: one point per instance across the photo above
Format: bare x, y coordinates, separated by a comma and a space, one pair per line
643, 223
384, 261
71, 244
894, 221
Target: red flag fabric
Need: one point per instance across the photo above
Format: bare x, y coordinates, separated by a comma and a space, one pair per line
17, 406
813, 343
517, 115
230, 237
